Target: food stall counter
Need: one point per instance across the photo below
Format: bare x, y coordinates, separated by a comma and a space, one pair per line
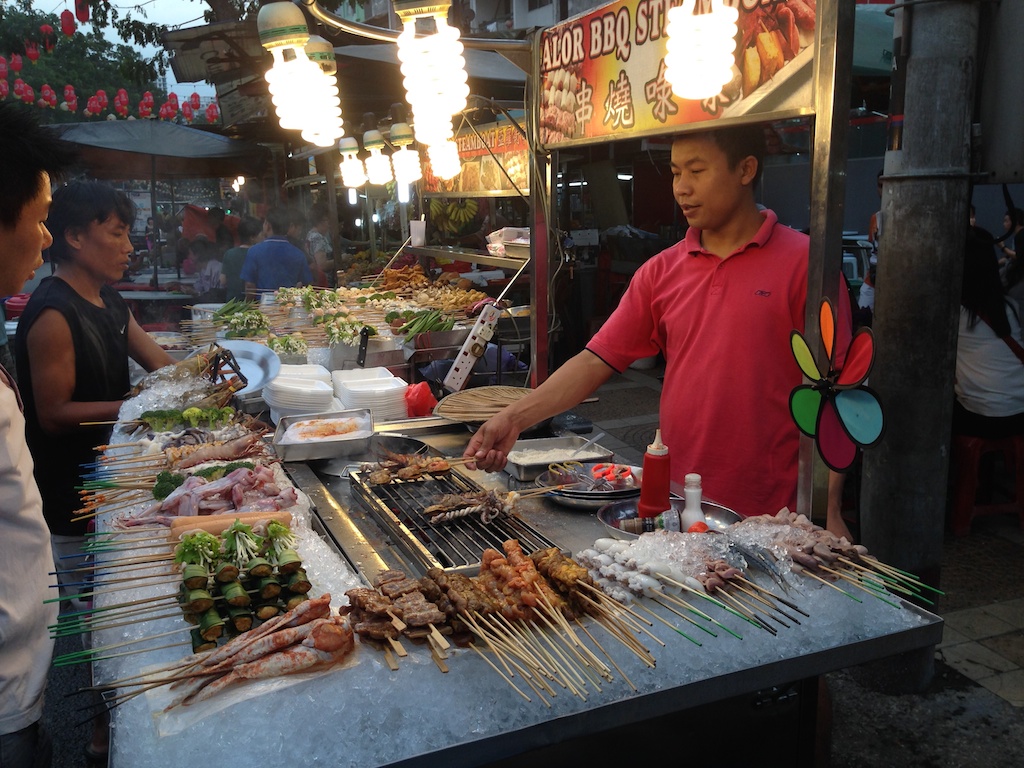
365, 713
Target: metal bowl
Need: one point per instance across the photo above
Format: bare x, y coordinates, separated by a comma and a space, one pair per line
578, 498
611, 515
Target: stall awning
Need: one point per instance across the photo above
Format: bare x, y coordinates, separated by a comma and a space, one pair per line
142, 149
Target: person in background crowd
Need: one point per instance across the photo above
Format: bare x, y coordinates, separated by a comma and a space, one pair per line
72, 348
318, 246
150, 234
33, 158
1010, 266
185, 256
989, 381
736, 282
208, 265
223, 239
866, 299
250, 231
275, 262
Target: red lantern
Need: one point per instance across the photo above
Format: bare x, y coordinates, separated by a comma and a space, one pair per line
19, 87
147, 99
194, 100
70, 105
187, 112
47, 32
212, 112
3, 68
172, 98
101, 98
28, 95
32, 51
67, 23
15, 62
82, 10
69, 92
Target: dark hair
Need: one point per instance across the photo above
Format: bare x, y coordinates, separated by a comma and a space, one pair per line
248, 229
215, 213
737, 142
318, 213
28, 150
279, 219
79, 204
981, 292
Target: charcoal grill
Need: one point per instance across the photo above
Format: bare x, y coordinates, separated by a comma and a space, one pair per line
455, 545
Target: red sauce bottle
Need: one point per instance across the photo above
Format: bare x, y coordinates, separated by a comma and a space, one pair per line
655, 496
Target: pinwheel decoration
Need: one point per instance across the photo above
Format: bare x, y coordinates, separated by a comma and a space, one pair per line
836, 409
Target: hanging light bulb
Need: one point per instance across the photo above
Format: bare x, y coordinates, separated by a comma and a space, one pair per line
326, 125
433, 67
352, 172
353, 196
444, 160
404, 160
699, 49
305, 97
378, 165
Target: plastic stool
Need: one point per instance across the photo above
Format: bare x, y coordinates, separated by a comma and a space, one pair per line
967, 453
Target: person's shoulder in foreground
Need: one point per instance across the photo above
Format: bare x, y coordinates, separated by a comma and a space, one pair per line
32, 157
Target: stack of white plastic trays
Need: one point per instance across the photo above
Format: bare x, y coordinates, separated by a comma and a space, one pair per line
377, 389
300, 389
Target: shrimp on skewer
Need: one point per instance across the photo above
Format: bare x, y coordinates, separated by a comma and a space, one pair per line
328, 643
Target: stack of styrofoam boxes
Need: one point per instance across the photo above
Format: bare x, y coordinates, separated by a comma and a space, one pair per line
300, 389
374, 388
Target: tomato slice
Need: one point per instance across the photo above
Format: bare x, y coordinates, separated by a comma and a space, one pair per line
700, 527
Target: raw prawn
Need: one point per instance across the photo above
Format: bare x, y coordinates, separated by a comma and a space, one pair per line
328, 643
247, 445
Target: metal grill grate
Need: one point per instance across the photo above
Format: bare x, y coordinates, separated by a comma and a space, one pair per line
453, 545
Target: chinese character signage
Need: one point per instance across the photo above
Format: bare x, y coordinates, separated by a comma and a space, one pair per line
482, 174
603, 72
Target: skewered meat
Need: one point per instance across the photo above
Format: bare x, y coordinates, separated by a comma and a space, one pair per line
488, 504
465, 594
417, 611
403, 466
368, 601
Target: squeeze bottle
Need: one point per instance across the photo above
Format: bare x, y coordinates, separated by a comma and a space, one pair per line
654, 488
692, 511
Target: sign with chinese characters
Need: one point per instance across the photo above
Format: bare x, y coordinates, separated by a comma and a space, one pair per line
495, 162
603, 72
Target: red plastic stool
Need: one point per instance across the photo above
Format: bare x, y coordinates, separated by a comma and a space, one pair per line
967, 453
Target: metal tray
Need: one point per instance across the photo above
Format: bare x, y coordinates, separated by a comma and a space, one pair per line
612, 515
563, 448
346, 445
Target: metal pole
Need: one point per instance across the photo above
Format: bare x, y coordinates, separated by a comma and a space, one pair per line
833, 67
926, 191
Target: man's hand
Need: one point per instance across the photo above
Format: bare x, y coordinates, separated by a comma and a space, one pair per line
488, 449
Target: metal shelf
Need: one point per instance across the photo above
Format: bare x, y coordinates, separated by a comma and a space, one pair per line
466, 254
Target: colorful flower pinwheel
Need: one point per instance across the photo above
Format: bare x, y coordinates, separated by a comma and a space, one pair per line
836, 410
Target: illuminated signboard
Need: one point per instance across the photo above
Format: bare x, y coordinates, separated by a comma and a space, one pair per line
495, 163
603, 72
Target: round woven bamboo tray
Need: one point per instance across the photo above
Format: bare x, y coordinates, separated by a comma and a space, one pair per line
477, 405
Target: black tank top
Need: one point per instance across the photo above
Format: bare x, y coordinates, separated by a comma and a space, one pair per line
100, 338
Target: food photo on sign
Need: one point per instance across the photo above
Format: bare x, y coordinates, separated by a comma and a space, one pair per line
609, 71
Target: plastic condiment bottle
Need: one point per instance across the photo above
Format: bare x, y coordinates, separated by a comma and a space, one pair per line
692, 511
654, 489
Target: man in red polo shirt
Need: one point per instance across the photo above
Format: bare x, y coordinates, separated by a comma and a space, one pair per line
720, 306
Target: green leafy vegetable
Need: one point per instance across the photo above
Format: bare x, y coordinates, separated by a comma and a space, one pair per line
198, 548
240, 544
216, 473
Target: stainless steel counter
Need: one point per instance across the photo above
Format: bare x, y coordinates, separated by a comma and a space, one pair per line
368, 715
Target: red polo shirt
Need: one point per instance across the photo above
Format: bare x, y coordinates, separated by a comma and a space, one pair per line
724, 329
